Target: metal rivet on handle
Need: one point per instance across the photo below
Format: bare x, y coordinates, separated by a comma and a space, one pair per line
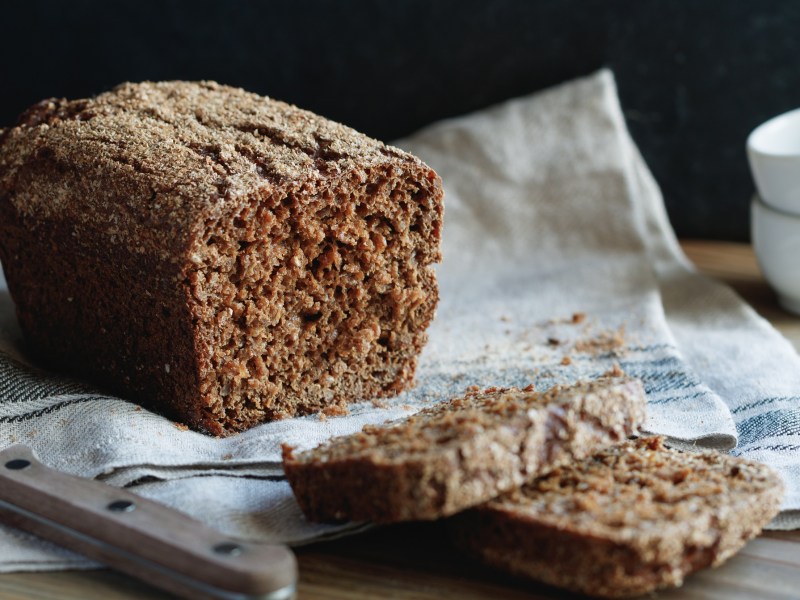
18, 464
121, 506
228, 549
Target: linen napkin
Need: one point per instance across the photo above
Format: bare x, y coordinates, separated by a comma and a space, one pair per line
559, 262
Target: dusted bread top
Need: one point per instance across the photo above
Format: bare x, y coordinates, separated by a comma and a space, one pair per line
171, 156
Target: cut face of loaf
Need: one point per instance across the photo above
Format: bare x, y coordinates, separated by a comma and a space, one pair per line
461, 453
627, 521
222, 257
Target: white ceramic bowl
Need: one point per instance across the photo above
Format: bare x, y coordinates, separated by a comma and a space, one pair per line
776, 238
773, 149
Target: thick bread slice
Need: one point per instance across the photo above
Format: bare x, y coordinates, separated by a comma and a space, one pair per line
462, 452
629, 520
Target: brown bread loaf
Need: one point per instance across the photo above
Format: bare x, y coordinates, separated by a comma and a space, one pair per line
629, 520
222, 257
461, 453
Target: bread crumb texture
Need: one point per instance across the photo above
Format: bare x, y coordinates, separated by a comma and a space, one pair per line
276, 262
462, 452
629, 520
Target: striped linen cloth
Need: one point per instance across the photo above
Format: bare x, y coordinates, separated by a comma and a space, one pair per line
559, 263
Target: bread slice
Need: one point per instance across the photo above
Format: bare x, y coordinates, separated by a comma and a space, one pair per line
222, 257
629, 520
462, 452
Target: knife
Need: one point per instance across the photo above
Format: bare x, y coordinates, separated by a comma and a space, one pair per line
137, 536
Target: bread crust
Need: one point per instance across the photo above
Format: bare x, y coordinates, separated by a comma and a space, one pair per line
627, 521
222, 257
461, 453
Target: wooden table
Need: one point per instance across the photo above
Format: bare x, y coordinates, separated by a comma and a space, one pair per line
415, 561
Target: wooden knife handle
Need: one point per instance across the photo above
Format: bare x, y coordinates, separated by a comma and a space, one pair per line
138, 536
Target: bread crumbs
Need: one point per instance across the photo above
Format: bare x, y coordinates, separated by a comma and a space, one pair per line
336, 410
614, 371
605, 341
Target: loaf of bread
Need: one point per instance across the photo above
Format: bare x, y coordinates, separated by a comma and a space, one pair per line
220, 256
462, 452
627, 521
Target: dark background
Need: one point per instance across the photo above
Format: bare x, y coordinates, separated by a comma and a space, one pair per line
695, 76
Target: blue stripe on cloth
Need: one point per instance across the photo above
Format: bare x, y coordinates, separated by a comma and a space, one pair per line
766, 401
771, 448
51, 408
770, 424
670, 399
22, 383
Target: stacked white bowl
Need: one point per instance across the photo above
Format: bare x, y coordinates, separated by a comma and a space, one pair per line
773, 150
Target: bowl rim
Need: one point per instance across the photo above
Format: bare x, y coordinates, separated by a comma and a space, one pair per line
756, 144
